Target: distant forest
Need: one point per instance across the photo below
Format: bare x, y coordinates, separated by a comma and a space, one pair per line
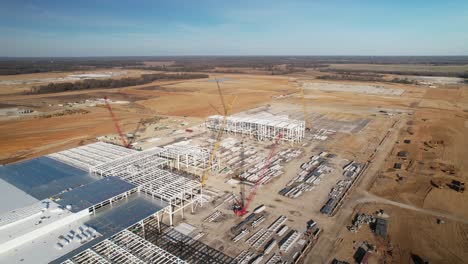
112, 83
364, 78
416, 73
10, 66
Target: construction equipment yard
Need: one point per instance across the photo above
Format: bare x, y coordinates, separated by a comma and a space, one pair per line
234, 168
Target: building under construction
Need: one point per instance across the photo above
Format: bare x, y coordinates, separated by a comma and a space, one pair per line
101, 203
260, 126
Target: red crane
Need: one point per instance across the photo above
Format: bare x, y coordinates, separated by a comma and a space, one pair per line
117, 127
240, 207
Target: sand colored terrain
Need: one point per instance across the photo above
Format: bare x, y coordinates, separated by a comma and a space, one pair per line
26, 138
34, 136
409, 233
438, 133
437, 150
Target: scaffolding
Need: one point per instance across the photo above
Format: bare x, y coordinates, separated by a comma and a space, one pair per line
261, 126
188, 158
91, 155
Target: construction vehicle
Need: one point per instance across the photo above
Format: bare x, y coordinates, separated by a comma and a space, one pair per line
240, 206
304, 109
455, 185
116, 124
226, 111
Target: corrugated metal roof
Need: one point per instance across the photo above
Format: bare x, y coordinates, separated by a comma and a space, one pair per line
44, 177
93, 193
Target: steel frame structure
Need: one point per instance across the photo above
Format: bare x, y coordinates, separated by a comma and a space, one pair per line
144, 249
191, 159
261, 127
179, 192
125, 247
131, 163
180, 245
145, 170
87, 256
91, 155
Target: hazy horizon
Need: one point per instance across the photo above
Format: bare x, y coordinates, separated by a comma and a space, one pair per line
233, 56
212, 28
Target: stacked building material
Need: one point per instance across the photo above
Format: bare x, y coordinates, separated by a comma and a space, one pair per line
242, 234
269, 246
262, 239
277, 223
274, 259
352, 169
212, 217
308, 177
244, 257
289, 240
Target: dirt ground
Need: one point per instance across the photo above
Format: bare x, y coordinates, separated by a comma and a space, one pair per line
409, 233
435, 120
436, 128
34, 136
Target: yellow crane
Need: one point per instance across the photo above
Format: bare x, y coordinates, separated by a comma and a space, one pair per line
304, 108
226, 111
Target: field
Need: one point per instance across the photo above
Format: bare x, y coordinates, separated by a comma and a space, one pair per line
373, 123
404, 68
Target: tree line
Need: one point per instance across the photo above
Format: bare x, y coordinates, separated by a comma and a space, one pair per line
31, 65
365, 78
112, 83
461, 74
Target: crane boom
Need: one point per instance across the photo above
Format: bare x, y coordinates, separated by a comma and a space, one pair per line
304, 109
241, 209
116, 124
131, 141
217, 143
226, 111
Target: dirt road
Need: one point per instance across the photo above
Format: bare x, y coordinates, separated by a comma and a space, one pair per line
368, 197
323, 251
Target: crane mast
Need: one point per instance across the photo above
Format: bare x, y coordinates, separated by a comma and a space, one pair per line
226, 111
304, 109
240, 208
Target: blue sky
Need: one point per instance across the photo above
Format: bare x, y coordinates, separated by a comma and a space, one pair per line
216, 27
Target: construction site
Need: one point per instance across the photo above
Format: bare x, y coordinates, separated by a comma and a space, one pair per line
232, 169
